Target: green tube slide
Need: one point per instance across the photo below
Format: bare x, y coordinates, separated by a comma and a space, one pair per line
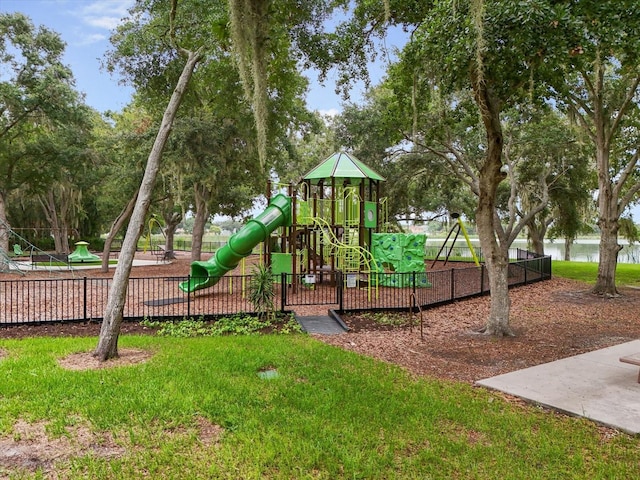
257, 230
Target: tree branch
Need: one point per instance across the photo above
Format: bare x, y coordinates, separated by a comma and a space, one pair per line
624, 176
582, 120
575, 100
469, 177
626, 200
18, 119
513, 234
623, 108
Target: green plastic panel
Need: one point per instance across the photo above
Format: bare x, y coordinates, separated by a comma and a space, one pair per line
400, 253
281, 263
304, 212
370, 214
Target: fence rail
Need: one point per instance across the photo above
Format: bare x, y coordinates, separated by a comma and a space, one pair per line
84, 299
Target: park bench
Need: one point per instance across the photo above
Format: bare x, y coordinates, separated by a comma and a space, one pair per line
161, 254
633, 360
55, 257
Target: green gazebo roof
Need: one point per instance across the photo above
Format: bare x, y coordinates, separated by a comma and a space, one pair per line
345, 166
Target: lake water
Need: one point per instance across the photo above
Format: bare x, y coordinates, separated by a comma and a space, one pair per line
583, 250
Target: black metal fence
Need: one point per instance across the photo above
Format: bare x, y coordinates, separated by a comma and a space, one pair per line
432, 288
185, 245
84, 299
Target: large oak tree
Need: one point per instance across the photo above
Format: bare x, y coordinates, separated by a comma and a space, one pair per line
40, 111
599, 87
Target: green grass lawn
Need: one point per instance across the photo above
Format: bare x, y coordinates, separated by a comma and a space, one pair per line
329, 414
626, 273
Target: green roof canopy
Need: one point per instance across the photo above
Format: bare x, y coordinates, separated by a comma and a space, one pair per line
344, 166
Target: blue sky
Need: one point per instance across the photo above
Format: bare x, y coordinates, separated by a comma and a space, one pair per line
85, 26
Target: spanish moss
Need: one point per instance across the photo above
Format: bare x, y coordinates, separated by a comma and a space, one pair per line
249, 32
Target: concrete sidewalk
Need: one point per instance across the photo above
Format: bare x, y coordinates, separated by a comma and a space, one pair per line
595, 385
323, 324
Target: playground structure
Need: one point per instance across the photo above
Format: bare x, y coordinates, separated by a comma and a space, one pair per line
458, 227
82, 255
22, 249
330, 221
26, 256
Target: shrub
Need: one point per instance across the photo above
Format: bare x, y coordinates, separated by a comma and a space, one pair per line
262, 291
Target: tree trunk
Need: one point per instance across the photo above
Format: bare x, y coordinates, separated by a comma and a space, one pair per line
536, 236
488, 223
608, 251
58, 230
202, 195
609, 209
567, 248
115, 228
498, 271
171, 223
608, 217
109, 332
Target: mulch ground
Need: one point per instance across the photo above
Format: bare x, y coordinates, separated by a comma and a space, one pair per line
551, 320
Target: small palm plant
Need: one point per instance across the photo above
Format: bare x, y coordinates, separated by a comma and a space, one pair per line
262, 291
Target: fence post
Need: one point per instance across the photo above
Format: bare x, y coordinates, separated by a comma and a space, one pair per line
413, 307
340, 291
482, 279
526, 269
453, 283
413, 275
189, 297
547, 267
283, 291
84, 298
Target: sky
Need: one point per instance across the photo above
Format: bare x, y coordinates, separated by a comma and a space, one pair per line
85, 26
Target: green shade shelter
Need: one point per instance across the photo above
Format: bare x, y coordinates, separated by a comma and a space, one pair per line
342, 165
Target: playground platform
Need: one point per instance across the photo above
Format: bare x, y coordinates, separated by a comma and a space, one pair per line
594, 385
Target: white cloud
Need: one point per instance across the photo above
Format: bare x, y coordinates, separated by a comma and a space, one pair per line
91, 39
100, 7
105, 22
104, 14
332, 112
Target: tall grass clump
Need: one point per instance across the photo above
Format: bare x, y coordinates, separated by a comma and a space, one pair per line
262, 291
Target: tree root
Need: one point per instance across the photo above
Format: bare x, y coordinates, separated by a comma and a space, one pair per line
501, 333
605, 294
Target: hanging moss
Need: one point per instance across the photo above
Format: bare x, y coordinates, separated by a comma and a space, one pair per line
249, 32
477, 11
